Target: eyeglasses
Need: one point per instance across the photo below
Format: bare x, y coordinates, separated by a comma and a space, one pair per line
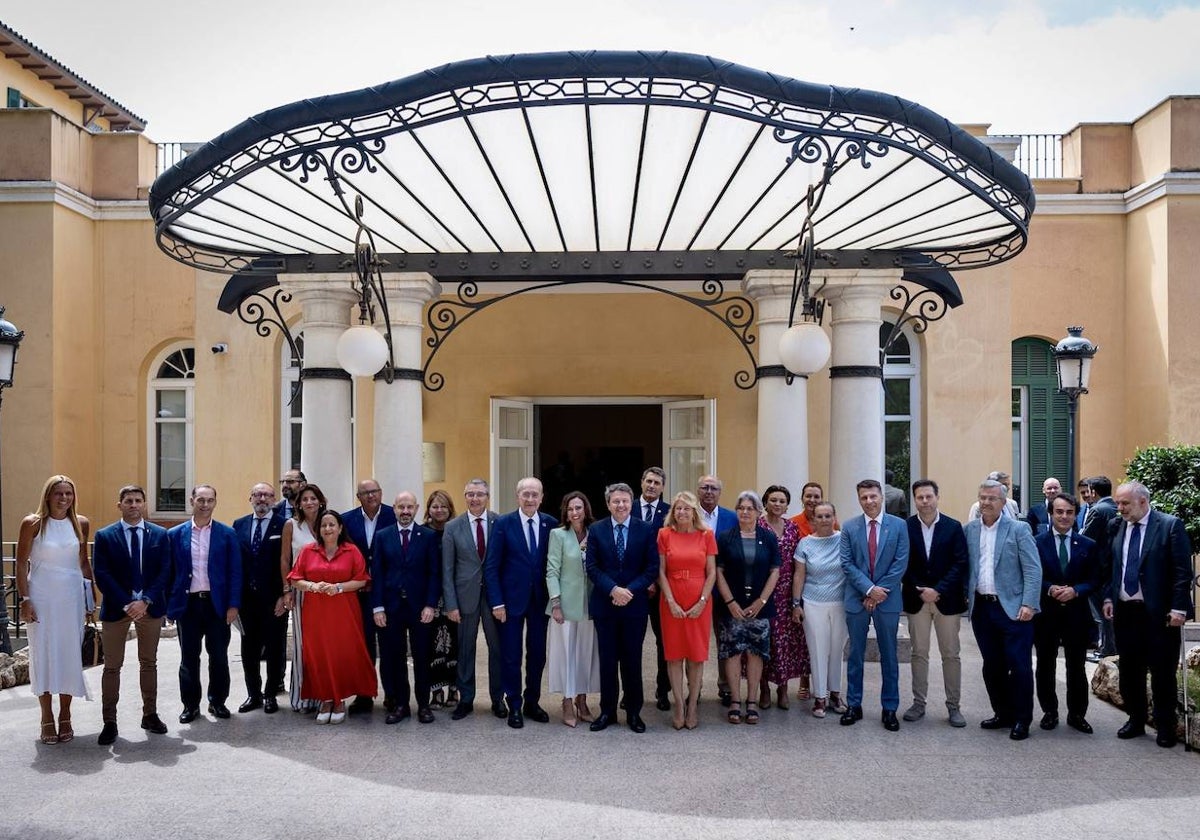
711, 488
375, 492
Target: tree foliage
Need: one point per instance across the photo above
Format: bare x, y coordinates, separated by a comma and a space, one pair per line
1172, 474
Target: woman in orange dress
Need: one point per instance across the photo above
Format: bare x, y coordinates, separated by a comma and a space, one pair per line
336, 663
687, 571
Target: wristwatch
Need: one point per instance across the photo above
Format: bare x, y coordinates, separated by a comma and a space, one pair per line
797, 603
339, 589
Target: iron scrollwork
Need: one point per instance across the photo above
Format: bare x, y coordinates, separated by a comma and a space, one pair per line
919, 310
264, 314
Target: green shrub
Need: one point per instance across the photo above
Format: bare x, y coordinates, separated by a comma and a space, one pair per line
1172, 473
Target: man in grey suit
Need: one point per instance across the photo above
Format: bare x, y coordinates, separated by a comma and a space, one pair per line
463, 548
1003, 595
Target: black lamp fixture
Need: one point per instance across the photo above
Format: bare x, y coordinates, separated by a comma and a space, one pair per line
1073, 357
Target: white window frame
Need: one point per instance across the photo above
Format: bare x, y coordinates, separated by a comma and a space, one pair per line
912, 372
1020, 469
155, 384
289, 428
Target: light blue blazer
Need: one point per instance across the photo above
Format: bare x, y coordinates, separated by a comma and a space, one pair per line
1018, 567
891, 560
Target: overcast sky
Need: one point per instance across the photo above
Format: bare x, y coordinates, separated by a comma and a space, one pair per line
1026, 66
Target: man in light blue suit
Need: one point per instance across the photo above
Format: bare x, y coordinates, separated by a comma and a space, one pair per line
1003, 595
874, 552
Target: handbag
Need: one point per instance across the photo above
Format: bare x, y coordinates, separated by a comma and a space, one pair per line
93, 650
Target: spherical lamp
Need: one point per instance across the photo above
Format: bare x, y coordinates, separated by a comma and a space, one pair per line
804, 348
362, 351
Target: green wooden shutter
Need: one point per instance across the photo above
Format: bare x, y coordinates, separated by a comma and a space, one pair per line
1049, 418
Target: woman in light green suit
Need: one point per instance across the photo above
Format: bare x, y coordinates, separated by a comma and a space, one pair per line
574, 662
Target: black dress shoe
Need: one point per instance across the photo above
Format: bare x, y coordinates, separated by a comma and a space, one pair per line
535, 712
1020, 731
852, 715
1079, 724
725, 696
500, 709
995, 722
637, 724
461, 711
270, 705
425, 714
601, 722
189, 714
250, 705
218, 710
1131, 730
107, 735
1049, 720
663, 703
1166, 739
889, 721
514, 718
398, 714
151, 723
361, 705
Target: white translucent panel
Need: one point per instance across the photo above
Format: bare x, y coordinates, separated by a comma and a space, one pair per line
670, 135
170, 404
170, 464
511, 468
685, 423
560, 132
776, 217
685, 465
616, 136
301, 213
514, 424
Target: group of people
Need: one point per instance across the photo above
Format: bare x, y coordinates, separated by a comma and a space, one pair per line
575, 595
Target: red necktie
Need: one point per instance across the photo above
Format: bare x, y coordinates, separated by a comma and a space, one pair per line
480, 546
404, 540
872, 547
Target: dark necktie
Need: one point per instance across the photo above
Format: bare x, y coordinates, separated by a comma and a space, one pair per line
135, 554
1062, 552
404, 532
256, 539
532, 537
480, 545
620, 543
649, 513
1133, 560
872, 547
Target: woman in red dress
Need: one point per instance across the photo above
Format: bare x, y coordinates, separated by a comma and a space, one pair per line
336, 663
687, 571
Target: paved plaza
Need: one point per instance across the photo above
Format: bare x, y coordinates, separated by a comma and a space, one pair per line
283, 776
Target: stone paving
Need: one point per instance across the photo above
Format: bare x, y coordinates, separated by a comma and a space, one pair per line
260, 776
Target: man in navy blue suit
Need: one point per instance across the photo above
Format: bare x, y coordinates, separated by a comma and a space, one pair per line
362, 524
132, 565
1070, 573
406, 580
622, 562
651, 509
206, 592
1039, 515
719, 520
514, 571
262, 614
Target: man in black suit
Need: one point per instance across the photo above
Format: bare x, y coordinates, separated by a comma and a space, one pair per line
651, 509
1096, 526
1070, 573
263, 617
290, 485
362, 524
1148, 595
132, 564
934, 593
406, 581
1039, 515
622, 562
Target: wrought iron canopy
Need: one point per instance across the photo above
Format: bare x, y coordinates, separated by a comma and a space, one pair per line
548, 158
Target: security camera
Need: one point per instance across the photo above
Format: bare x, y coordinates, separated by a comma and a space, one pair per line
220, 348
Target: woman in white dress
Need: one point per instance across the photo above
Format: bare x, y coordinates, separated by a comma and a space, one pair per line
571, 645
52, 571
298, 532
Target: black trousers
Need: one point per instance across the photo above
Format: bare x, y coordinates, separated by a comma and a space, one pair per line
264, 636
619, 639
1068, 626
1147, 643
1007, 648
201, 625
370, 631
404, 631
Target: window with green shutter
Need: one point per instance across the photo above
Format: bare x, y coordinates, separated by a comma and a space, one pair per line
1041, 420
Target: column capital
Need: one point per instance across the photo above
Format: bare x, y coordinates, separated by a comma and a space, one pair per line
415, 286
768, 282
325, 299
845, 283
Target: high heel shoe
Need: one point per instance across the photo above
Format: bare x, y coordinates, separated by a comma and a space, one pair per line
764, 695
65, 732
781, 698
325, 713
678, 717
568, 713
50, 737
582, 711
338, 716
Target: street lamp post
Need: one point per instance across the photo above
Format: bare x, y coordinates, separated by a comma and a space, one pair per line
10, 340
1073, 356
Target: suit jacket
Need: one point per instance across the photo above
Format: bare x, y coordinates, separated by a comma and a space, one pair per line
515, 579
1018, 569
1083, 573
943, 569
396, 574
114, 570
566, 577
1165, 577
355, 522
261, 574
726, 519
661, 509
731, 559
1100, 519
636, 570
462, 568
224, 568
1038, 518
891, 561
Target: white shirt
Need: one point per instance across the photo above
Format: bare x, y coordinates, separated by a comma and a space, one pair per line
525, 520
482, 520
927, 531
642, 503
986, 584
1144, 521
710, 519
369, 525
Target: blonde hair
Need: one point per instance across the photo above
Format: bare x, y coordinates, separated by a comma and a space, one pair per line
43, 511
438, 496
691, 501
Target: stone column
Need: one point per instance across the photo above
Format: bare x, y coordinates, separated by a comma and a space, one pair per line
326, 447
856, 298
398, 422
782, 406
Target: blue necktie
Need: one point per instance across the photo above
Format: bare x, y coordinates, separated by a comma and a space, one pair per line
1133, 560
1063, 557
532, 538
135, 554
620, 543
256, 539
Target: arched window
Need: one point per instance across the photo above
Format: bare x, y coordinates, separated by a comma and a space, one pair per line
1040, 420
171, 408
901, 406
